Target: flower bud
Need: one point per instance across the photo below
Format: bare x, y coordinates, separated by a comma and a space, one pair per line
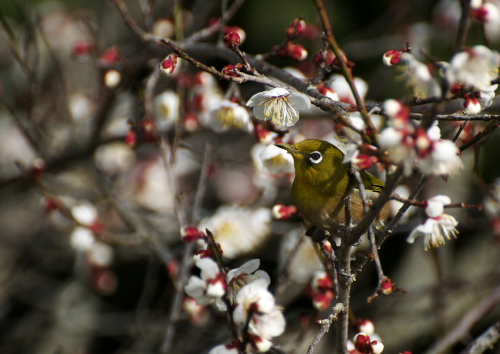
487, 12
283, 212
361, 342
296, 28
110, 57
38, 168
328, 92
239, 31
131, 137
167, 66
322, 301
112, 78
392, 57
297, 52
232, 40
387, 287
260, 344
324, 60
191, 234
377, 347
82, 49
50, 204
471, 104
366, 326
229, 70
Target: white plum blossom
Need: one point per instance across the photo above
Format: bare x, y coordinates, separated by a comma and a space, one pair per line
228, 115
256, 306
166, 109
85, 213
210, 286
442, 160
279, 105
82, 239
438, 226
275, 160
224, 349
340, 85
420, 78
238, 230
474, 68
239, 277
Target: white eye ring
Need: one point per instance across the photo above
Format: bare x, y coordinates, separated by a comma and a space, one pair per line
315, 157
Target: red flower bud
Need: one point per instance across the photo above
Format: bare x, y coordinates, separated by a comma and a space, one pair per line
232, 40
110, 57
229, 70
167, 66
387, 286
191, 234
82, 48
296, 28
131, 138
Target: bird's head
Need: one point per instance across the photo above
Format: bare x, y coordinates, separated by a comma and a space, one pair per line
316, 160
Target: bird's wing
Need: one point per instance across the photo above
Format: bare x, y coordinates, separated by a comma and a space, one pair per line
371, 182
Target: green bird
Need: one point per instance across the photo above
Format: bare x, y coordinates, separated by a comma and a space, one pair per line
322, 182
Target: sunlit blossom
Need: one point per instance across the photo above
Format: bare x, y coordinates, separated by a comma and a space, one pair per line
279, 105
275, 160
256, 306
238, 230
166, 109
209, 286
229, 115
442, 160
438, 226
239, 277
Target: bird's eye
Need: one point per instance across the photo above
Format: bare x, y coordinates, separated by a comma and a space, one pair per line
315, 157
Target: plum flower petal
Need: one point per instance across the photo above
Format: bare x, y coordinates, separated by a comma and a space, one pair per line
279, 105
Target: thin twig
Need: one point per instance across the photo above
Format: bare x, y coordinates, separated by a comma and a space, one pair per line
463, 327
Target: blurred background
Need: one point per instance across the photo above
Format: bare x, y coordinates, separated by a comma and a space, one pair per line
92, 199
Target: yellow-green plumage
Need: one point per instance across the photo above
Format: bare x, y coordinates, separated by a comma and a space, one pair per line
322, 182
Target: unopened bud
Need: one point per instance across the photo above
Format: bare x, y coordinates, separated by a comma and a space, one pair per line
377, 347
112, 78
366, 326
232, 40
82, 49
297, 52
191, 234
230, 70
296, 28
387, 287
283, 212
110, 57
323, 300
392, 57
167, 66
131, 137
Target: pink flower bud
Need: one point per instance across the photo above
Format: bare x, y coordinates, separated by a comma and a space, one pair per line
110, 57
297, 52
366, 326
191, 234
387, 287
487, 12
131, 137
328, 91
362, 342
229, 70
167, 66
283, 212
363, 161
38, 168
82, 48
322, 301
50, 203
392, 57
377, 347
296, 28
232, 40
241, 33
471, 104
321, 60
